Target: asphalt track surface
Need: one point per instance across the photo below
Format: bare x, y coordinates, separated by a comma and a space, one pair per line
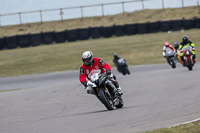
155, 96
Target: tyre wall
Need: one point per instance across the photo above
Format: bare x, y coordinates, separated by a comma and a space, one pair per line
47, 37
108, 31
36, 39
197, 22
131, 29
142, 28
2, 43
11, 42
96, 32
165, 26
72, 35
60, 37
153, 27
188, 24
119, 30
24, 40
84, 34
176, 25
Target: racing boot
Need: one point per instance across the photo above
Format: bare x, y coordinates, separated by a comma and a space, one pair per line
119, 91
115, 82
184, 63
194, 59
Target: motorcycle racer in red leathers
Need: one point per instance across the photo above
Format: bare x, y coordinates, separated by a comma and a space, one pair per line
92, 63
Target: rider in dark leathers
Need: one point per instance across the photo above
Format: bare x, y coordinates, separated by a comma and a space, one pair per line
116, 61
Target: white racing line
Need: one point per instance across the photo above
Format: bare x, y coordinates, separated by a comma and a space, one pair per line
187, 122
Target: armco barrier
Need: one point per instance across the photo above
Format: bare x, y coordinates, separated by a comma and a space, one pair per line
96, 32
131, 29
60, 37
24, 40
176, 24
72, 35
84, 34
154, 27
36, 39
119, 30
2, 43
11, 42
165, 26
48, 37
108, 31
142, 28
188, 24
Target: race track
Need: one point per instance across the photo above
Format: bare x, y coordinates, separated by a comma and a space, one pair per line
155, 96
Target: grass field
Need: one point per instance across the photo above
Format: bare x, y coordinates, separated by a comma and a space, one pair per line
136, 49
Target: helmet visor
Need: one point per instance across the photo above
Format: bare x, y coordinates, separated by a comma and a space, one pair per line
87, 61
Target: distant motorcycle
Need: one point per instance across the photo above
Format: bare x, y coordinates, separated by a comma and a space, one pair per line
170, 56
122, 67
104, 89
188, 57
178, 56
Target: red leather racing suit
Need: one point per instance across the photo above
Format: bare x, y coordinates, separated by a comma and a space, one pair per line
97, 64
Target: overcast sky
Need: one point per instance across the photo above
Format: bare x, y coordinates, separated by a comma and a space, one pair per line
13, 6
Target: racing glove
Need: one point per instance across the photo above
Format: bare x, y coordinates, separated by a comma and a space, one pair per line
89, 90
85, 84
108, 72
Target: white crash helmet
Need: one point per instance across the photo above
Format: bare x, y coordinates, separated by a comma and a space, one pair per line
87, 58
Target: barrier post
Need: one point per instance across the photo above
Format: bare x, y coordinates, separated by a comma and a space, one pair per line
61, 14
102, 8
163, 6
41, 17
182, 3
0, 20
81, 12
123, 7
142, 4
20, 18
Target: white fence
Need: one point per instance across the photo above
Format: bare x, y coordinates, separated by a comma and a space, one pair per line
91, 10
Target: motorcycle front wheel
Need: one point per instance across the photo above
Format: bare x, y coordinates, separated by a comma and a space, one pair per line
106, 99
172, 62
189, 64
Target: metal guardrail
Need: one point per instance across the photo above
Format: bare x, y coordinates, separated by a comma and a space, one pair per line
82, 15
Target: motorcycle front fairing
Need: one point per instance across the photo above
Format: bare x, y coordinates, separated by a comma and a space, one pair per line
100, 81
169, 53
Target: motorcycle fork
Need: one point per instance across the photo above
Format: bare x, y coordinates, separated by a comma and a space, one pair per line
106, 87
187, 57
97, 89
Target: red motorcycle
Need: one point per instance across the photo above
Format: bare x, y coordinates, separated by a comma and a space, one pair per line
188, 57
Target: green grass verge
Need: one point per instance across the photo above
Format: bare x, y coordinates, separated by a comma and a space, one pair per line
12, 90
136, 49
193, 127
